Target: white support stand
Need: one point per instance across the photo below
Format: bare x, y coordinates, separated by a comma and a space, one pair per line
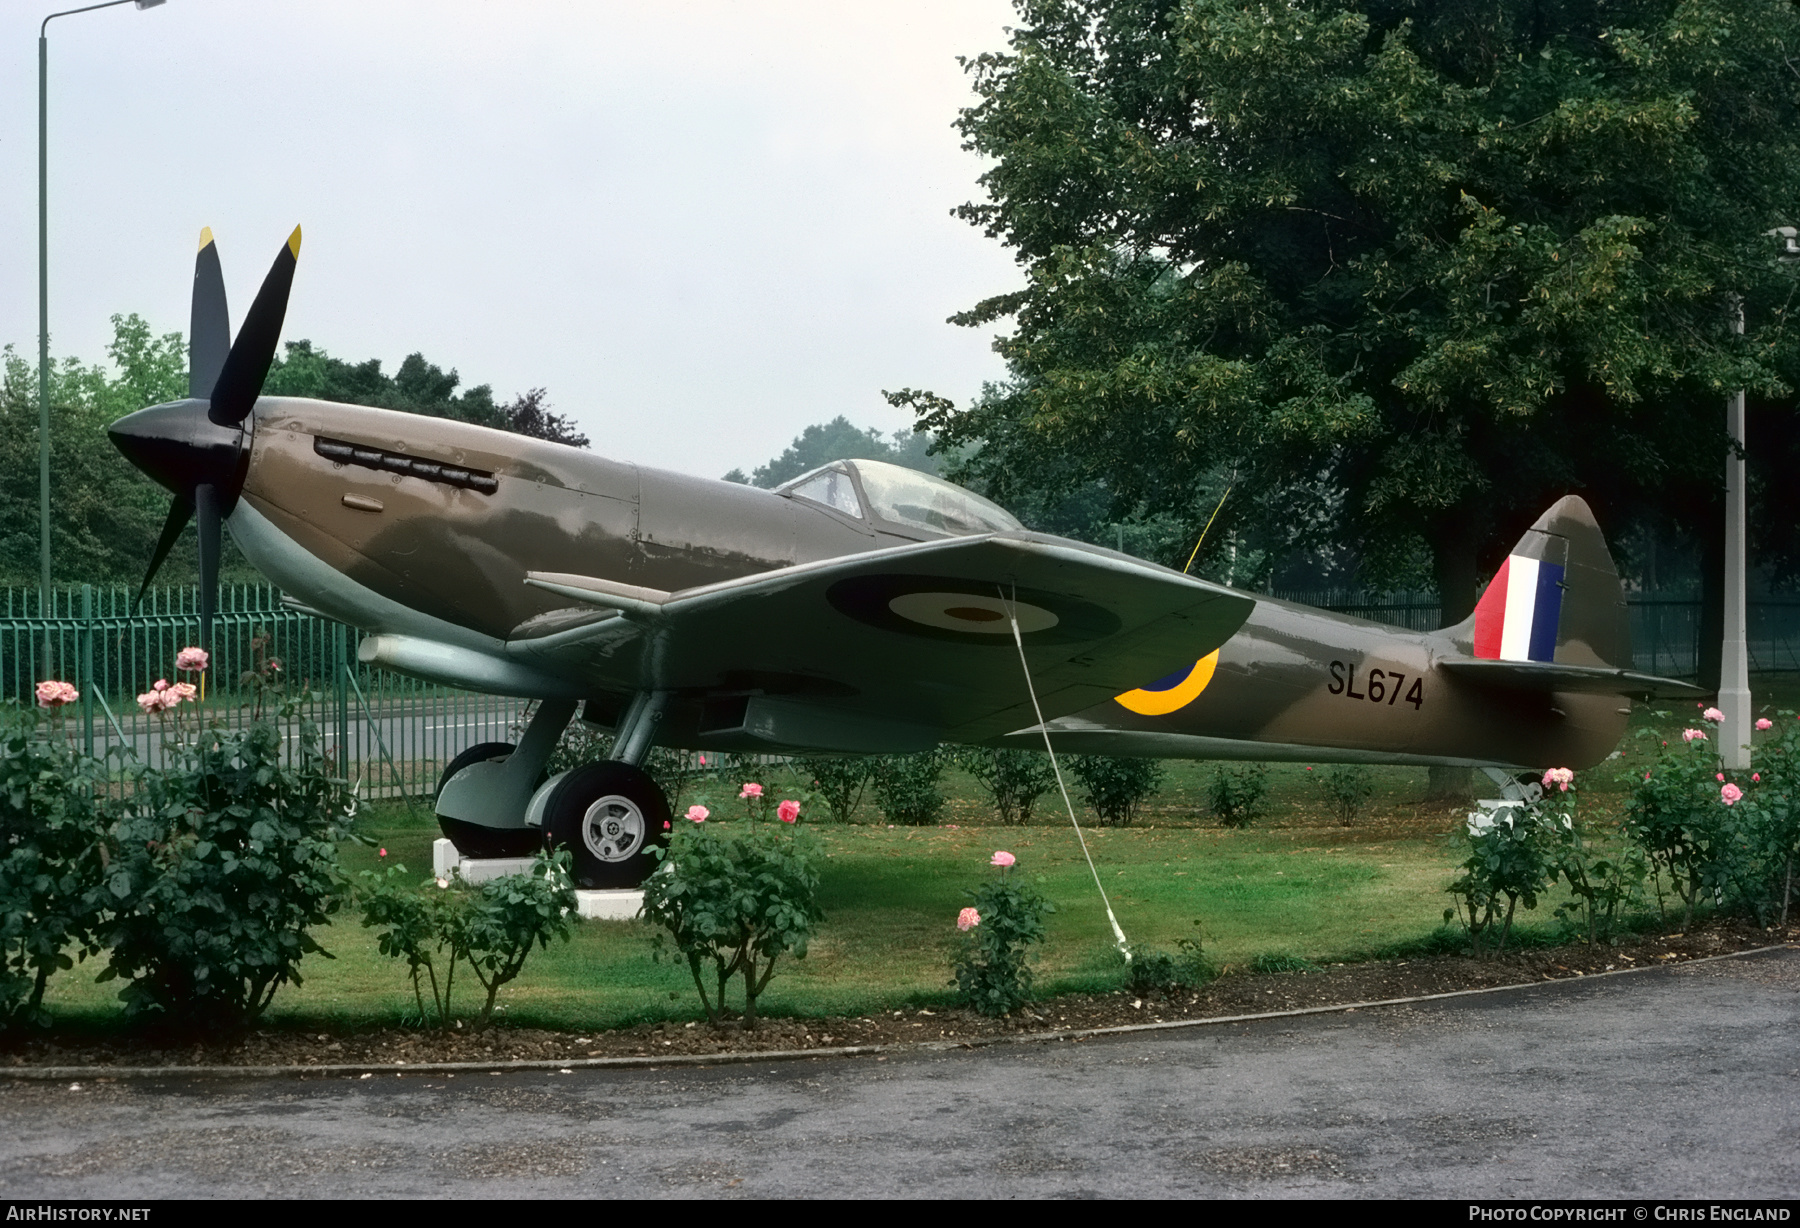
618, 905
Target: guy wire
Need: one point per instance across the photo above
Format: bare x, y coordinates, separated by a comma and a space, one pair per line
1209, 524
1013, 616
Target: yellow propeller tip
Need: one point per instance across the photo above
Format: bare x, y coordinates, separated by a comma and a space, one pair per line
205, 237
294, 243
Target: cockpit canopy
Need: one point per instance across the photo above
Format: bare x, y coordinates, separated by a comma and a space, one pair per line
902, 497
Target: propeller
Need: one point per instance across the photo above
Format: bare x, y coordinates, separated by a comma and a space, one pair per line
197, 447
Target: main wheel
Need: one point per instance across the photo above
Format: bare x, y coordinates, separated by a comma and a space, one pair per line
609, 815
474, 839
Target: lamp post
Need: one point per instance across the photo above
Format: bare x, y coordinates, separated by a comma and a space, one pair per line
1734, 652
44, 303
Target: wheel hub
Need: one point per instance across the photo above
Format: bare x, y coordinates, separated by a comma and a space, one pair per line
613, 828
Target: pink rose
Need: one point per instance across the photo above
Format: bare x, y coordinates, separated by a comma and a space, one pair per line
789, 811
150, 701
161, 684
1730, 794
750, 789
192, 660
186, 690
967, 920
1756, 776
1562, 778
1712, 714
698, 813
54, 694
381, 852
1693, 735
1718, 776
1002, 858
1763, 722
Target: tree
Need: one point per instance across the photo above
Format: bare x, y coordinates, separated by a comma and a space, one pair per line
824, 442
417, 386
1396, 272
529, 414
106, 515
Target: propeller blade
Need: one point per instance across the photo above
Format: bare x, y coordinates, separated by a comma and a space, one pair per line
209, 324
247, 365
180, 512
206, 503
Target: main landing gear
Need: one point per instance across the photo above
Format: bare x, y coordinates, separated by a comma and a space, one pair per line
493, 800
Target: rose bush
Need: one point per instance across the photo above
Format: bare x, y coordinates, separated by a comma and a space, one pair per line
731, 900
993, 960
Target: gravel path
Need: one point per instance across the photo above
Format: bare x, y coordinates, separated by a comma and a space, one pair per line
1677, 1082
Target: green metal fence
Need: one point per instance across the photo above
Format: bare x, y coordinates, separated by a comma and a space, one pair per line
395, 734
1665, 628
391, 733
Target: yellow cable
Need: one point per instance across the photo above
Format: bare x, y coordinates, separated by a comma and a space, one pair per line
1209, 524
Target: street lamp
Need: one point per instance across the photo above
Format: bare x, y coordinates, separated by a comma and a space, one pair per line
44, 303
1734, 650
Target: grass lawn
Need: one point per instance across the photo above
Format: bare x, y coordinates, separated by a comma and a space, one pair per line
1296, 883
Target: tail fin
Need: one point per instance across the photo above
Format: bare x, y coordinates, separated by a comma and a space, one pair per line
1554, 617
1556, 598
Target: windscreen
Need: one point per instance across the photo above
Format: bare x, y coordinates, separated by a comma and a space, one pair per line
920, 501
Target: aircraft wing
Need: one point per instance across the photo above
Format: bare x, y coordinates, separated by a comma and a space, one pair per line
896, 648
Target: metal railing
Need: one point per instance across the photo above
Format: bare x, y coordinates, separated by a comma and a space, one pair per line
393, 734
1665, 628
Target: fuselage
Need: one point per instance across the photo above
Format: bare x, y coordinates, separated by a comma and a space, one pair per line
407, 525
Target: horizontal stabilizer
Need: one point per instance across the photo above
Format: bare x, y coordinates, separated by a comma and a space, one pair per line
1555, 676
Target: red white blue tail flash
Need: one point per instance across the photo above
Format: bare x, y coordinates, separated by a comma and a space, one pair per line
1517, 617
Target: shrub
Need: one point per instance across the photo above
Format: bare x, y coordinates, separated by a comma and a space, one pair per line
1115, 787
1281, 961
1154, 971
837, 781
1511, 857
1236, 794
227, 858
1603, 886
1347, 788
906, 788
1704, 846
445, 923
54, 815
1014, 779
992, 964
737, 900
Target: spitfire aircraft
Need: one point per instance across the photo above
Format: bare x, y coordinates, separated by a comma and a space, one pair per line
861, 608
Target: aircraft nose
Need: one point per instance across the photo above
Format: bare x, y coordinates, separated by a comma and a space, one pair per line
178, 446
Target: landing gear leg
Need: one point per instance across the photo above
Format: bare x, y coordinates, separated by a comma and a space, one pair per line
483, 798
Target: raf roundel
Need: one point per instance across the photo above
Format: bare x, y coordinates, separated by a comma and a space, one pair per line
954, 609
972, 613
1173, 693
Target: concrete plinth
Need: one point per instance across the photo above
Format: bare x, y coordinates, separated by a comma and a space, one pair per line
618, 905
621, 905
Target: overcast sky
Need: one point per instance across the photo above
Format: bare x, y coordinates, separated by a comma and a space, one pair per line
702, 225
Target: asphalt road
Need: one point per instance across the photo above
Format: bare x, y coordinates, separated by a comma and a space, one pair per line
1678, 1083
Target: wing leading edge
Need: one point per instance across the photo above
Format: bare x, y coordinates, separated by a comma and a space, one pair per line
904, 646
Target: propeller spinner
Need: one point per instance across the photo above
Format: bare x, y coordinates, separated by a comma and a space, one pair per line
198, 448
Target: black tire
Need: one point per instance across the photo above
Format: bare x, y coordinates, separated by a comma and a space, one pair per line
609, 816
473, 839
